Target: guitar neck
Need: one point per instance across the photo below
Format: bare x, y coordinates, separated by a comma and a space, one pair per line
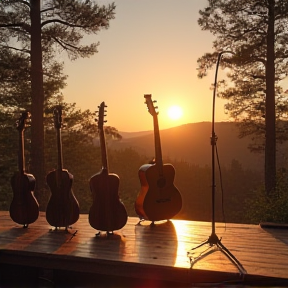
21, 158
157, 142
59, 148
103, 149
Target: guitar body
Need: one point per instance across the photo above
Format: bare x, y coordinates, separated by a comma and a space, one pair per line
158, 198
107, 212
24, 208
63, 208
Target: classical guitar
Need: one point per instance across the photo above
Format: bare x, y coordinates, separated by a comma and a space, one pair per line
24, 208
158, 198
62, 208
107, 212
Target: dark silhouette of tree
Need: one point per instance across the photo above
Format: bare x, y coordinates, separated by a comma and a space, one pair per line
15, 96
256, 31
41, 33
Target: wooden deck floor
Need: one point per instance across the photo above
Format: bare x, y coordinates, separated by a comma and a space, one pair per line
142, 251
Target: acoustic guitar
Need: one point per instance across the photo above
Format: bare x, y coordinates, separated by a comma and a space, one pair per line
24, 208
62, 208
107, 212
158, 199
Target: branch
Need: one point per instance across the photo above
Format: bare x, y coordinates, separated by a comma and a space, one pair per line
13, 48
48, 9
65, 45
25, 26
62, 22
11, 25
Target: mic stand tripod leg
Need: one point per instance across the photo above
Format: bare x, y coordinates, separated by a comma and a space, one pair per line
232, 258
215, 244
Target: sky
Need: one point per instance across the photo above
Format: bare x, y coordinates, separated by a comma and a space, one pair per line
151, 47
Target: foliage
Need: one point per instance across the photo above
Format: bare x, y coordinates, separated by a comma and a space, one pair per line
241, 27
15, 92
256, 33
82, 158
233, 188
64, 23
126, 163
8, 148
14, 84
36, 35
261, 208
15, 95
193, 182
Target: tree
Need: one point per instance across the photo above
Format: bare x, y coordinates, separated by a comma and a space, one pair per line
256, 32
40, 32
15, 97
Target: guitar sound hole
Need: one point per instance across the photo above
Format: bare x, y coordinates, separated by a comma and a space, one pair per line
163, 200
161, 182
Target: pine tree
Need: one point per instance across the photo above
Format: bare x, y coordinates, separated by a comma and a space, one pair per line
26, 28
256, 32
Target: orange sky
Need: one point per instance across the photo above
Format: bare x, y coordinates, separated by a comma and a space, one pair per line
151, 47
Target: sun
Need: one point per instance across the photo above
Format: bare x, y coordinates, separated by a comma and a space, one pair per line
175, 112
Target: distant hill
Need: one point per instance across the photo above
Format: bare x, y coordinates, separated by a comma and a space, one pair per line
127, 135
191, 143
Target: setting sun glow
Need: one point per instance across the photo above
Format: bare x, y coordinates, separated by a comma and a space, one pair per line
174, 112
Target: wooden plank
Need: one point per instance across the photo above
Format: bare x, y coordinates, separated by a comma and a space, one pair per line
147, 251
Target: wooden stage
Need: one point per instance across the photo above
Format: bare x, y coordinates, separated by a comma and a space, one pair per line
142, 254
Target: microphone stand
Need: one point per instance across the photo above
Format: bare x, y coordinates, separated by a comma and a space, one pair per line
213, 241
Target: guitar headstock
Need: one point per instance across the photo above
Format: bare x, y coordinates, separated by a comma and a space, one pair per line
150, 105
57, 115
101, 115
21, 122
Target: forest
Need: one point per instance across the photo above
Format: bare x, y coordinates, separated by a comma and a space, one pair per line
83, 160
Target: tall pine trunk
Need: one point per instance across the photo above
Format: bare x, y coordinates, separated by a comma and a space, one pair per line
37, 94
270, 141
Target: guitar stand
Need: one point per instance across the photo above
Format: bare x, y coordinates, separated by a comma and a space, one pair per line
140, 221
108, 233
152, 224
56, 229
